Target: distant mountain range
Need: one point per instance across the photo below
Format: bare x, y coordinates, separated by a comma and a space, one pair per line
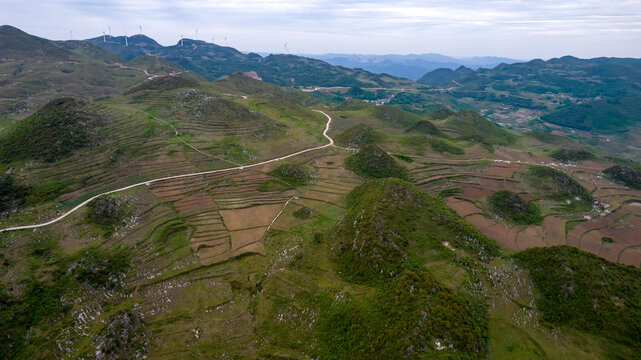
213, 61
409, 66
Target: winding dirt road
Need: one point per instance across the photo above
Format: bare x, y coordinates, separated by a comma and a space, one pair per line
149, 182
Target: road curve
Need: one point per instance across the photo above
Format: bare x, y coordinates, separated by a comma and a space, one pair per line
149, 182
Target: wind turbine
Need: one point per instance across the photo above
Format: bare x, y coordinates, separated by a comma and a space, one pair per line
225, 40
181, 40
140, 26
109, 31
212, 39
126, 42
285, 46
196, 32
103, 37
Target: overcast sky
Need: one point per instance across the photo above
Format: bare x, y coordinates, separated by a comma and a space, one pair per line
521, 29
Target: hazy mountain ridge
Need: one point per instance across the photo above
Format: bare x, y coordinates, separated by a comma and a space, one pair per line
410, 66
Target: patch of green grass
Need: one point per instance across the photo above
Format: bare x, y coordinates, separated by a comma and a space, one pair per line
607, 239
273, 185
303, 213
449, 192
407, 159
444, 146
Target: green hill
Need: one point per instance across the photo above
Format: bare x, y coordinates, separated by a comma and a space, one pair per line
53, 132
353, 105
440, 114
606, 115
559, 186
514, 209
39, 70
572, 155
472, 126
16, 44
423, 127
393, 323
162, 83
582, 291
395, 116
358, 136
625, 175
389, 222
212, 62
371, 161
154, 64
444, 76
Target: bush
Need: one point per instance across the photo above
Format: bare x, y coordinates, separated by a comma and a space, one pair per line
292, 174
106, 212
303, 213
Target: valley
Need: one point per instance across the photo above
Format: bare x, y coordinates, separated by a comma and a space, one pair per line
186, 216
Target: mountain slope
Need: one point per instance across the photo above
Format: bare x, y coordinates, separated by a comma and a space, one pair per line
212, 62
38, 70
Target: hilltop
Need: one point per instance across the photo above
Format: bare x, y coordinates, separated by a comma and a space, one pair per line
154, 213
40, 70
212, 61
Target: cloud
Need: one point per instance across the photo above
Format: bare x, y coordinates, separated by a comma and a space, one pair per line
515, 28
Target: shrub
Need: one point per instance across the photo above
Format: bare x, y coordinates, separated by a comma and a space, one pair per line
292, 174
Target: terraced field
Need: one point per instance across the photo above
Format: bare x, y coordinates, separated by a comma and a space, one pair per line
240, 263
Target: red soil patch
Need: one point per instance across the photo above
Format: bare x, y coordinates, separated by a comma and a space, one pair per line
502, 170
473, 193
198, 200
495, 231
250, 217
554, 231
529, 237
462, 207
242, 238
631, 257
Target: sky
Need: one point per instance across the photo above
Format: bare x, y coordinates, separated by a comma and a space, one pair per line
519, 29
